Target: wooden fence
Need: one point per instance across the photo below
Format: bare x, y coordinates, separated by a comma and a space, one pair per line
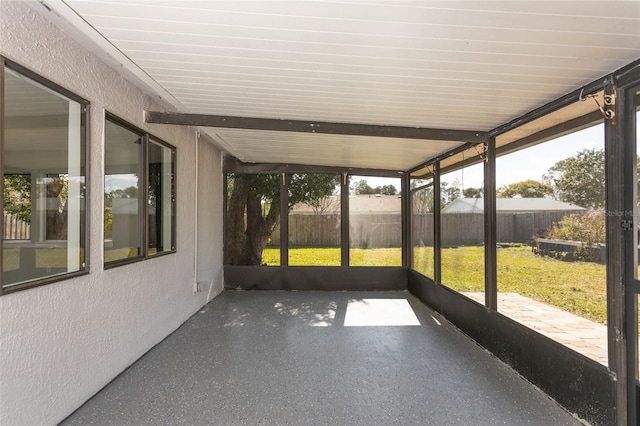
384, 230
15, 229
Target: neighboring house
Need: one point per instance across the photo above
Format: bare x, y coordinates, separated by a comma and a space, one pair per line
358, 204
512, 205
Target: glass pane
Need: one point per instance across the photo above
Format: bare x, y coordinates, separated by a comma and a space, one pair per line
551, 268
253, 214
314, 220
375, 226
161, 198
422, 223
44, 182
122, 186
462, 231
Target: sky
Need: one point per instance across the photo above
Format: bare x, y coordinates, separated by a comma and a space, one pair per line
531, 163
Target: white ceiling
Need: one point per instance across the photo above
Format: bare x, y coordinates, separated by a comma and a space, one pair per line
466, 65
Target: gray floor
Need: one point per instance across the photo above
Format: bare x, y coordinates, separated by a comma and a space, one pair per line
287, 358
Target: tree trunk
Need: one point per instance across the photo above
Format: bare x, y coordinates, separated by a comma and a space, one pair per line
236, 237
246, 240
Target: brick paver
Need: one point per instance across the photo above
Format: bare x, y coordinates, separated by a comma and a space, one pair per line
580, 334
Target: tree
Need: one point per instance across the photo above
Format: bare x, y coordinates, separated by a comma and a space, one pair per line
253, 209
387, 190
17, 196
361, 187
579, 179
449, 193
473, 193
17, 201
422, 201
526, 189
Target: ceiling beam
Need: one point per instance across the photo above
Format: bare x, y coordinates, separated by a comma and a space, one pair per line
233, 165
282, 125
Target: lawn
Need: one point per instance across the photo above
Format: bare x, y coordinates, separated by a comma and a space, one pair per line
577, 287
331, 257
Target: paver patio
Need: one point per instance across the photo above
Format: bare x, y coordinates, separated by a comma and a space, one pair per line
582, 335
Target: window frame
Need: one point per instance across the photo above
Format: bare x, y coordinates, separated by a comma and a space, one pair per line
84, 167
143, 205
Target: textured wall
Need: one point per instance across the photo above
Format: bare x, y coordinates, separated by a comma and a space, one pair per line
61, 343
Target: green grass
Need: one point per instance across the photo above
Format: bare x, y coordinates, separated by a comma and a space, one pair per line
331, 257
577, 287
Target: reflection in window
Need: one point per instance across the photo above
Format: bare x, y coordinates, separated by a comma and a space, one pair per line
314, 219
375, 229
161, 203
122, 185
422, 202
253, 213
43, 182
551, 273
139, 197
462, 230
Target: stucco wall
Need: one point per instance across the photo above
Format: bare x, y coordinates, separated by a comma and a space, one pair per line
61, 343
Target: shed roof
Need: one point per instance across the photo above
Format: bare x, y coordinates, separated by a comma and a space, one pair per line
359, 204
510, 205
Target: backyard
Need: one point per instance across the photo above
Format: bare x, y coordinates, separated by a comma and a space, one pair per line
576, 287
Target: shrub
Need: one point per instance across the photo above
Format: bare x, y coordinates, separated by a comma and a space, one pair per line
588, 228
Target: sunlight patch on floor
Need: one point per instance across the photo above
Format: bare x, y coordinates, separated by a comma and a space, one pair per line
379, 312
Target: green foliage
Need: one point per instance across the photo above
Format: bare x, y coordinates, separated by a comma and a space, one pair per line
449, 193
579, 179
386, 190
311, 188
473, 193
17, 196
588, 228
526, 189
361, 187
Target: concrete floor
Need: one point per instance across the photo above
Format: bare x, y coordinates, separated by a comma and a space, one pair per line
319, 358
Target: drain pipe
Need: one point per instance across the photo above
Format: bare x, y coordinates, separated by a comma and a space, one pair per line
195, 217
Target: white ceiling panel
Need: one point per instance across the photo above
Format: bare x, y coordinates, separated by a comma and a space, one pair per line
326, 149
464, 65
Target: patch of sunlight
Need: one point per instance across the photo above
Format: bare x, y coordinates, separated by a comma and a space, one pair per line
314, 315
379, 312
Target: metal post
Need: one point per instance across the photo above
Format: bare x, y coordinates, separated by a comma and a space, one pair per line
344, 220
626, 119
284, 219
490, 263
437, 237
407, 243
616, 261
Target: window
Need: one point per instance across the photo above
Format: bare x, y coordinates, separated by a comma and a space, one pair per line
422, 205
314, 219
462, 230
139, 194
375, 229
43, 185
550, 226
